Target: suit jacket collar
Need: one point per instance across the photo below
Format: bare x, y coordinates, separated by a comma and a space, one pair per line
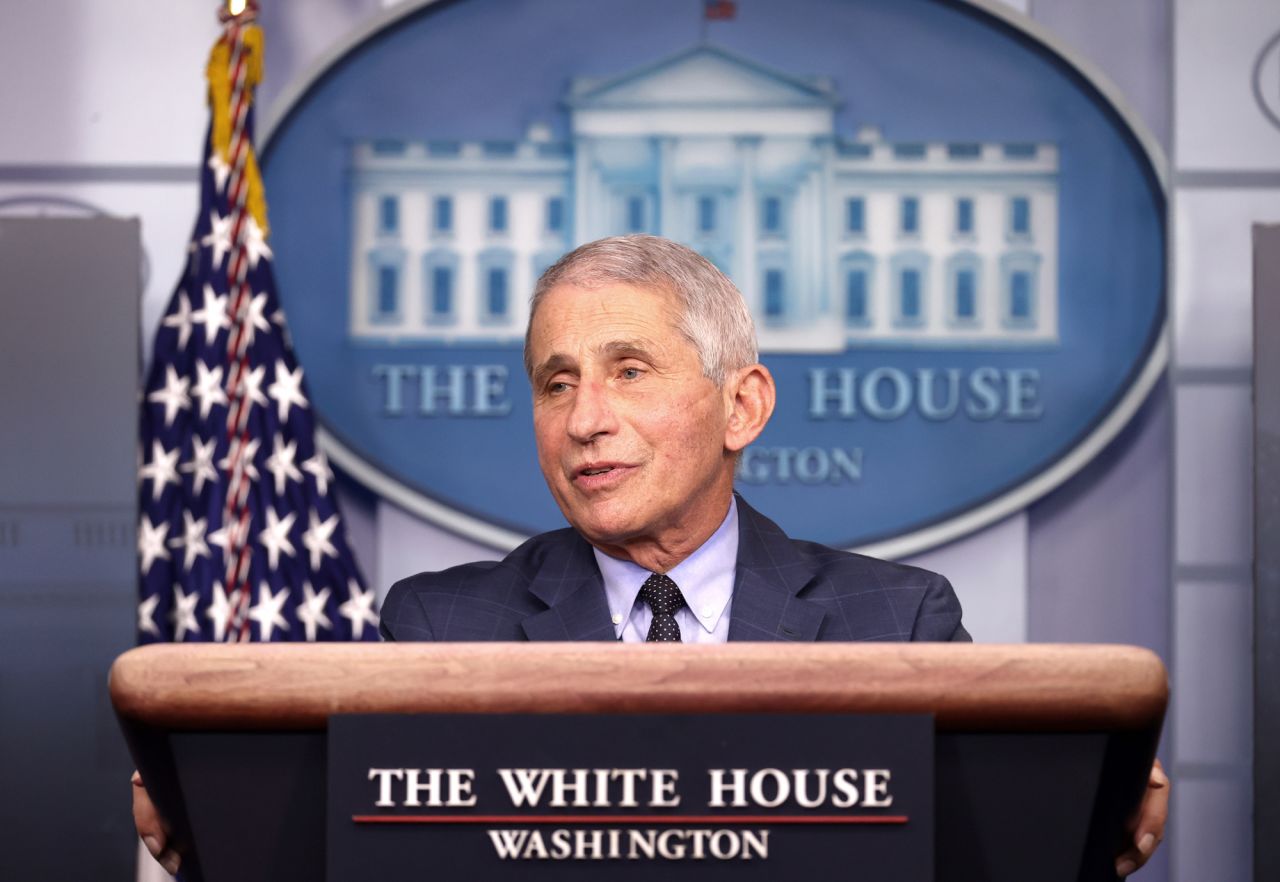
569, 583
770, 575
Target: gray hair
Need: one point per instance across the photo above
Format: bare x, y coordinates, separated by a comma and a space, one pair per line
713, 314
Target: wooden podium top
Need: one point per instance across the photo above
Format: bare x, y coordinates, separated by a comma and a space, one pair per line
966, 686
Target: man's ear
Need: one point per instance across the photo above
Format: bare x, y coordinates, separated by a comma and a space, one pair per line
749, 398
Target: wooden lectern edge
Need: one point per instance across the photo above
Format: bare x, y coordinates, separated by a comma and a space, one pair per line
968, 687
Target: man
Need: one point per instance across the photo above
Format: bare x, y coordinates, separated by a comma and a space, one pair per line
646, 387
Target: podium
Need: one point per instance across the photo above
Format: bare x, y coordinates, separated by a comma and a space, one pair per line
1041, 751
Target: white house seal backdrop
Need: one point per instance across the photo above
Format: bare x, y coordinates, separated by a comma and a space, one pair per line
951, 240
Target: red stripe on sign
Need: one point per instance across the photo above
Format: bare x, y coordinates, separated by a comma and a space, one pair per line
669, 820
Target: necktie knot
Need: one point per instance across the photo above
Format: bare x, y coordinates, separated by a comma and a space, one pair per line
664, 599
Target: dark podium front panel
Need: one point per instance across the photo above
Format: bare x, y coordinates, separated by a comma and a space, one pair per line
1007, 807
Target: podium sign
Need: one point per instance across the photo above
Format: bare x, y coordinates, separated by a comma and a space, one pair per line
479, 796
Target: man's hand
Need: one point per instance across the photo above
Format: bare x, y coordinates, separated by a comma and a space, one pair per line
1149, 831
152, 828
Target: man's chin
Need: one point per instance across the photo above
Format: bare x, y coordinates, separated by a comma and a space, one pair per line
605, 530
604, 534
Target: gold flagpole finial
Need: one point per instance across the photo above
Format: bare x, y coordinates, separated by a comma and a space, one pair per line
238, 10
233, 73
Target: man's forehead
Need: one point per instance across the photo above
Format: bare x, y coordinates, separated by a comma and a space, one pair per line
610, 291
602, 314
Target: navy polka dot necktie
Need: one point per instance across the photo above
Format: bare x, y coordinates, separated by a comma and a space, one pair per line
664, 599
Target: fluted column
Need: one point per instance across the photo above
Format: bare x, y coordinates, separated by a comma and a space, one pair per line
748, 234
583, 158
664, 149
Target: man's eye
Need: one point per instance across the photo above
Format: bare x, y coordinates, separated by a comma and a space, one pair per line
631, 373
557, 388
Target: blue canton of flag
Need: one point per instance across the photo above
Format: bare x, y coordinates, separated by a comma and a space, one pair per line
239, 536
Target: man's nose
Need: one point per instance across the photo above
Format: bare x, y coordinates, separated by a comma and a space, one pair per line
592, 414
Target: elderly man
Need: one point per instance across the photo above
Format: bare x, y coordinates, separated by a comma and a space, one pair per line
646, 387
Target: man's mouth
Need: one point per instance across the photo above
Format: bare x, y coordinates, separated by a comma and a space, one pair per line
599, 474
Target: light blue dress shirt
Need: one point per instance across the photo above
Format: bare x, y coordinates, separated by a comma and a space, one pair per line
705, 579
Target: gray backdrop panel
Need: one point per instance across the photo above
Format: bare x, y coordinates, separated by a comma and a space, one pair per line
1266, 526
69, 294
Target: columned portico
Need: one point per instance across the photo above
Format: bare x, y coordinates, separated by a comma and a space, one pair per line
835, 242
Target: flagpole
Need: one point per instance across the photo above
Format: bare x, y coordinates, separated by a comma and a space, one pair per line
238, 17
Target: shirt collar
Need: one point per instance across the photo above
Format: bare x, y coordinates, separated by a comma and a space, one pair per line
705, 577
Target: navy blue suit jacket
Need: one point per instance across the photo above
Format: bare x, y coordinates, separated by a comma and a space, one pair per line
551, 589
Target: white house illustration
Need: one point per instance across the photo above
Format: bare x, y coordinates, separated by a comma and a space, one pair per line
835, 241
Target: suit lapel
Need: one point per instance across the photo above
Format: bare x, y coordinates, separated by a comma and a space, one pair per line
569, 583
769, 577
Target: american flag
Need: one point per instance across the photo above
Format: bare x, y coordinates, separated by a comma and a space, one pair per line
239, 536
719, 10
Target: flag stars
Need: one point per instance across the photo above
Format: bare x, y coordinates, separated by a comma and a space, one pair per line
173, 396
181, 318
147, 616
200, 466
255, 244
218, 237
183, 614
316, 538
228, 534
280, 463
318, 467
286, 389
162, 470
278, 318
219, 613
251, 390
254, 319
212, 314
268, 611
192, 542
221, 171
311, 612
220, 537
275, 538
359, 609
244, 462
208, 388
151, 539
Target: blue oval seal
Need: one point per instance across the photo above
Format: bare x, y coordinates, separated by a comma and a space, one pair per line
951, 238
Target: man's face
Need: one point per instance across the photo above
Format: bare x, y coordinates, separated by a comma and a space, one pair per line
631, 435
